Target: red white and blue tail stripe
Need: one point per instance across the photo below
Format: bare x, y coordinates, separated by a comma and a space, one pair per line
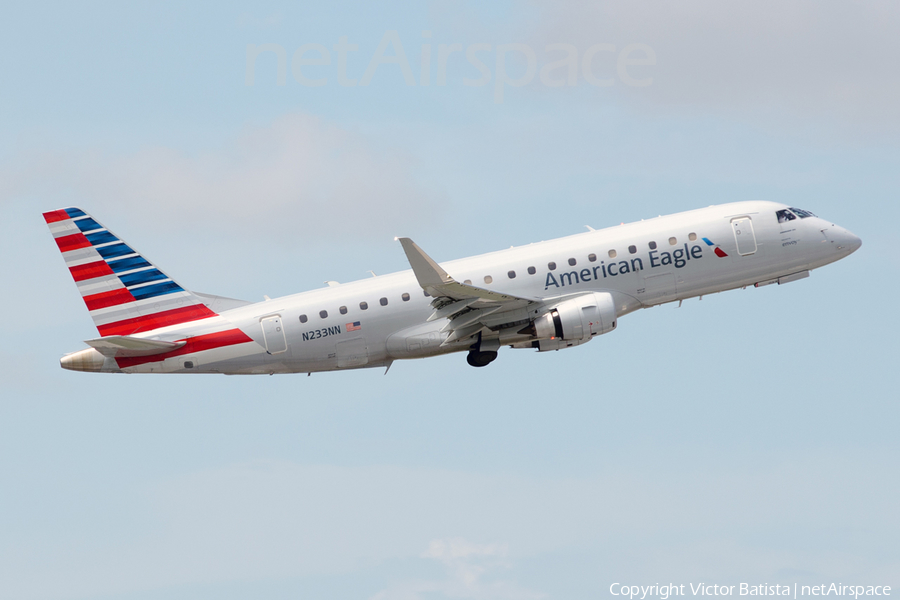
124, 292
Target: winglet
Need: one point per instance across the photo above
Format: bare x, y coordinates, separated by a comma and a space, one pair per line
428, 272
436, 282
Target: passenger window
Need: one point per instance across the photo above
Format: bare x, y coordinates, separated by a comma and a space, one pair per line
488, 279
612, 253
363, 305
551, 266
632, 249
427, 295
343, 310
323, 314
303, 318
405, 297
672, 241
383, 301
692, 237
532, 270
572, 262
511, 274
592, 257
468, 282
652, 245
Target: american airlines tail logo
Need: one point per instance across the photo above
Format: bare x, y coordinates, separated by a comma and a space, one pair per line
719, 252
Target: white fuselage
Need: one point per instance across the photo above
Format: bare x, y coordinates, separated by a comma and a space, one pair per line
375, 321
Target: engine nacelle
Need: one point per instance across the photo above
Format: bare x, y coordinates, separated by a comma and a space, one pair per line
556, 344
578, 319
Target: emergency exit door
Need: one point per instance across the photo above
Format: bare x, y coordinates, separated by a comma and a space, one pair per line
744, 236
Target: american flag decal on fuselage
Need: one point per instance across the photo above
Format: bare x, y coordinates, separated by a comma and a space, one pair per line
124, 292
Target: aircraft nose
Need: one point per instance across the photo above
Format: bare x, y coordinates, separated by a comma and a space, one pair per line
850, 242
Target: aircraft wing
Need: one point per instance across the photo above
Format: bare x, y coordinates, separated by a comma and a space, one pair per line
467, 306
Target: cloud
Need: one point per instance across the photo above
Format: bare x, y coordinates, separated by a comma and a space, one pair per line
298, 175
451, 550
470, 573
830, 62
274, 520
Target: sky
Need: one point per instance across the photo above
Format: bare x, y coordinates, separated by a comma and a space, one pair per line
255, 149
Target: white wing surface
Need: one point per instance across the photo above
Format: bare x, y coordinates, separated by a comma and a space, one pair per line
469, 308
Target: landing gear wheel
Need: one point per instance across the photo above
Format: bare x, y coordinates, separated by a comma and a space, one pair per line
481, 359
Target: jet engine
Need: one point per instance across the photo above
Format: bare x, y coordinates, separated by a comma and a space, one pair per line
578, 319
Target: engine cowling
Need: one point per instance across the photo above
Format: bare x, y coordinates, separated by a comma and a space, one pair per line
578, 319
556, 344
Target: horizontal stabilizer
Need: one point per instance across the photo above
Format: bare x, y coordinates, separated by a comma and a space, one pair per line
121, 346
219, 304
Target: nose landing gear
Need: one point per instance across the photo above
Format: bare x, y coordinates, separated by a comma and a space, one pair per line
483, 352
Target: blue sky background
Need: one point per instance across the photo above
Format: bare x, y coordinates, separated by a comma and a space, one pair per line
748, 437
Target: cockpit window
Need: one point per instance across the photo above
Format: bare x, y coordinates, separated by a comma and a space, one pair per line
802, 213
785, 215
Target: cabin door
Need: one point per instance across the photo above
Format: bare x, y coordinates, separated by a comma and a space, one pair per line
273, 332
744, 236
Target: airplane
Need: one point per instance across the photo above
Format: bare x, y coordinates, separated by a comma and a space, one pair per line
546, 296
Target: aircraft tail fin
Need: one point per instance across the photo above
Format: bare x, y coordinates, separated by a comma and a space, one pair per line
124, 292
